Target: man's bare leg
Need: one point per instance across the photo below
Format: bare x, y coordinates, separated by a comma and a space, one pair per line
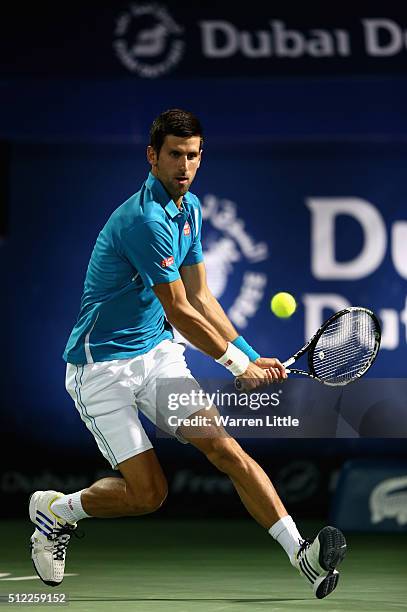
251, 482
142, 489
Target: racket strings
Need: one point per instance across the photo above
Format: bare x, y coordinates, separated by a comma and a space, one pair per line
345, 359
334, 365
346, 347
349, 348
331, 333
343, 370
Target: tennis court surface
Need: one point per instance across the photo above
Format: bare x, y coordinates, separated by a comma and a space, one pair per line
192, 566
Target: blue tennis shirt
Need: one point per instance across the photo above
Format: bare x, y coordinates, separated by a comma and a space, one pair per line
145, 242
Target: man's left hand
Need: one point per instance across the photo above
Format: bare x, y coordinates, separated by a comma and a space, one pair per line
274, 367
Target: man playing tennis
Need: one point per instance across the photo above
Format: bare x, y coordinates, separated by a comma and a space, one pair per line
145, 276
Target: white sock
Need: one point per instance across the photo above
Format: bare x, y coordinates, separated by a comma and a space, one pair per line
69, 507
287, 535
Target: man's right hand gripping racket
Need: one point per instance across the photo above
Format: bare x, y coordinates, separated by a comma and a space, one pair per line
341, 351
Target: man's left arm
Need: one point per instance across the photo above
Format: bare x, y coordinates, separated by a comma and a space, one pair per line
201, 298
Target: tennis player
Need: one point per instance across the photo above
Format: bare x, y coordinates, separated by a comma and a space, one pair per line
146, 275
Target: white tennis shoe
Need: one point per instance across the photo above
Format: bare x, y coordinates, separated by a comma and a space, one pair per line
317, 561
50, 539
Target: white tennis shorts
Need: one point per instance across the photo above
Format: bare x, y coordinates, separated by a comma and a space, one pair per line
109, 394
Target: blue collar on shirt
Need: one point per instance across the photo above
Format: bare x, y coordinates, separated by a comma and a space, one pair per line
161, 196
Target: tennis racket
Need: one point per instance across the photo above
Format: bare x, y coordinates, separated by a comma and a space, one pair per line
341, 351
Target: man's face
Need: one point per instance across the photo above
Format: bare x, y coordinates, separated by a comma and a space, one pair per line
177, 163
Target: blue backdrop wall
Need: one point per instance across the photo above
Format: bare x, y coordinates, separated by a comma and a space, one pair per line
325, 222
302, 184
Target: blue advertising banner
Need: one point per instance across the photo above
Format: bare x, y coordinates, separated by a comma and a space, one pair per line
327, 223
371, 496
324, 223
150, 40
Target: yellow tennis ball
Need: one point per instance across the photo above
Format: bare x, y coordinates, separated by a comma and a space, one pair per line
283, 305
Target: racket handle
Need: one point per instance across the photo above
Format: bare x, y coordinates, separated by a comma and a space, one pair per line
238, 384
288, 362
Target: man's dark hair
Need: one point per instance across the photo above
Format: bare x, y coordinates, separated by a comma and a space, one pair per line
176, 122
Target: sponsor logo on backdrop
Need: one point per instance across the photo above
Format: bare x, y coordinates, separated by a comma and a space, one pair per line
231, 253
379, 242
388, 500
227, 242
297, 481
148, 40
16, 483
276, 39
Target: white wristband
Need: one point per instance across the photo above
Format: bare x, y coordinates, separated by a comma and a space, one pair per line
234, 360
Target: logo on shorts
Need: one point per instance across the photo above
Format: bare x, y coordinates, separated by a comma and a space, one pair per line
147, 40
167, 262
187, 229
